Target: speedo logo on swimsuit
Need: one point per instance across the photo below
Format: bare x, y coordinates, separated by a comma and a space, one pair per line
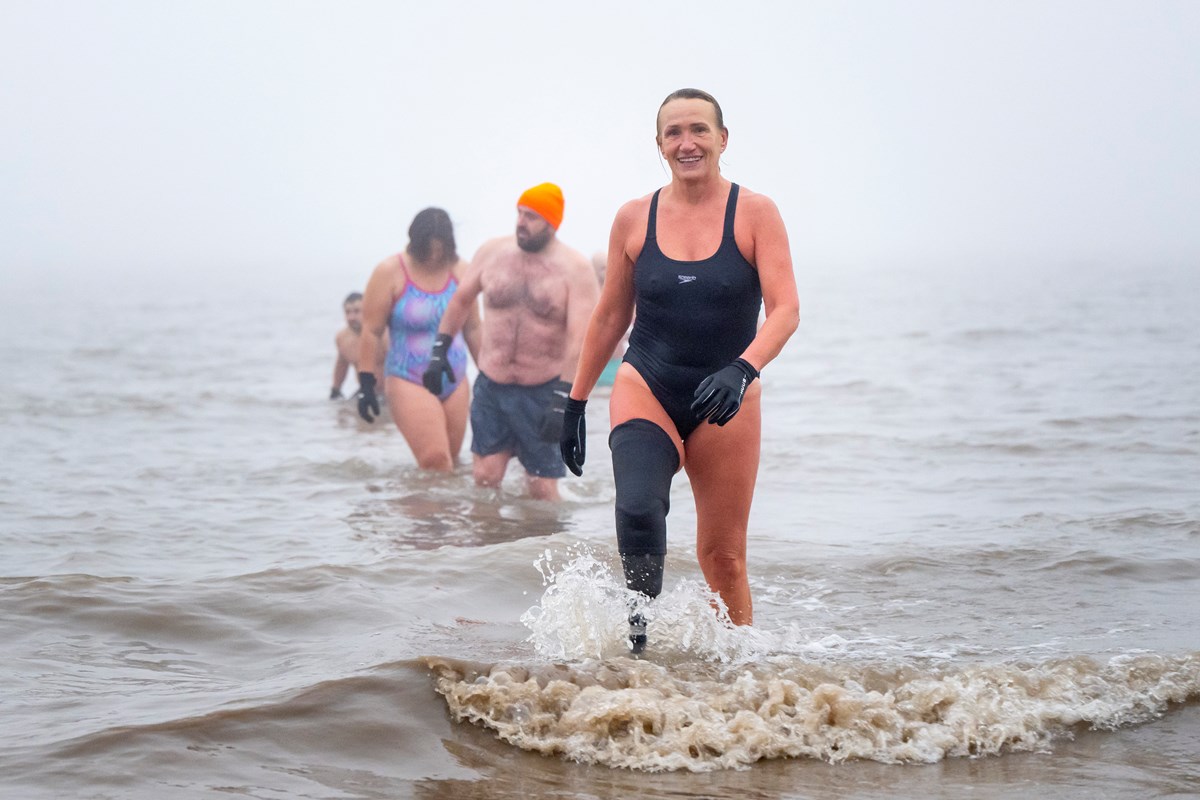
686, 278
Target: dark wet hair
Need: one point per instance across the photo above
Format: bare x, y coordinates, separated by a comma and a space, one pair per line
427, 225
690, 94
350, 298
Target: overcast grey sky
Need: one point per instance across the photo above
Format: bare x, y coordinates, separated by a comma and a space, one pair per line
247, 134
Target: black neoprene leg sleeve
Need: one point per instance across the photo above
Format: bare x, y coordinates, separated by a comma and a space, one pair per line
644, 461
644, 573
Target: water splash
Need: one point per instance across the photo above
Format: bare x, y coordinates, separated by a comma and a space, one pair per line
584, 611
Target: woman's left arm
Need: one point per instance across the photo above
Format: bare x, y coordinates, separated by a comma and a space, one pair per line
473, 325
773, 259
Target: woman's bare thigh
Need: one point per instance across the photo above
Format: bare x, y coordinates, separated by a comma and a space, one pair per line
632, 399
722, 468
419, 415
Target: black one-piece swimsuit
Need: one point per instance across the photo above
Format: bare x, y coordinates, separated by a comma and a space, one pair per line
693, 317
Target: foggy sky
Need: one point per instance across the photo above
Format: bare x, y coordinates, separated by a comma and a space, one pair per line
232, 135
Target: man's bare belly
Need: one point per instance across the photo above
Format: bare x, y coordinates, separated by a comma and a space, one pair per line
521, 349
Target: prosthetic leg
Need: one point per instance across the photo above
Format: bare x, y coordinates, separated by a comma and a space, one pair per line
644, 461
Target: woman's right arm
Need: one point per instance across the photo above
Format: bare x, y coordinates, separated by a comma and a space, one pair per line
614, 310
377, 304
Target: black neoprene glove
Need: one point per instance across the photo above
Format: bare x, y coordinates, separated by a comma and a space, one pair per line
335, 393
719, 396
367, 401
550, 428
439, 367
572, 441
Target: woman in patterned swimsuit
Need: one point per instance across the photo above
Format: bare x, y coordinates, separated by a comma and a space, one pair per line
407, 295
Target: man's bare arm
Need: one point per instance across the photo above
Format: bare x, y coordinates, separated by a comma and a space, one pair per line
584, 291
472, 324
458, 310
340, 368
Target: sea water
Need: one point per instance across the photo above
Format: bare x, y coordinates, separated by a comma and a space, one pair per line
974, 556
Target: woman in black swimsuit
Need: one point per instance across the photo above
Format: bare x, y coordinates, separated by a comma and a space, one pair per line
699, 257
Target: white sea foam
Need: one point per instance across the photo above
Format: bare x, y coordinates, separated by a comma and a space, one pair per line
698, 716
710, 695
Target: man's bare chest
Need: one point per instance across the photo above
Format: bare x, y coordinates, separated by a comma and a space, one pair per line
535, 287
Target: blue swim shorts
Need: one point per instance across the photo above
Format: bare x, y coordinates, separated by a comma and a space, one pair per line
505, 417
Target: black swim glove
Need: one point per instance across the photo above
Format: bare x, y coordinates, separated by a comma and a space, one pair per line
367, 401
550, 428
719, 396
439, 367
335, 393
572, 441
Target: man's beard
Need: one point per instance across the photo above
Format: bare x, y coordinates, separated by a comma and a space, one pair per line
535, 243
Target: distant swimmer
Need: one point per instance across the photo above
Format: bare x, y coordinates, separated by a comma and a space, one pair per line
405, 299
600, 264
699, 257
537, 296
346, 341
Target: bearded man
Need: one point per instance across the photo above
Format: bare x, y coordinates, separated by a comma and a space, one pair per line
538, 295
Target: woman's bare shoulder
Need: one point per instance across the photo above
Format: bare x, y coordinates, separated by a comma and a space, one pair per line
392, 262
636, 208
755, 202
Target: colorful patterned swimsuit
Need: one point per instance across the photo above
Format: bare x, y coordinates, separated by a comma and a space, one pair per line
413, 326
